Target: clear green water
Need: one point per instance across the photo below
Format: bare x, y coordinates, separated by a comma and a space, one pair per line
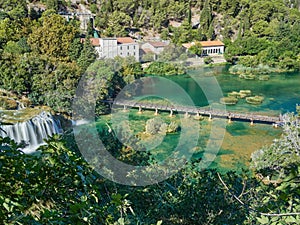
281, 93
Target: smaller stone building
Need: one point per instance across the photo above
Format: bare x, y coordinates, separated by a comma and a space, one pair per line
208, 47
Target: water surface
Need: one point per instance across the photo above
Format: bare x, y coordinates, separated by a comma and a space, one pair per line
281, 93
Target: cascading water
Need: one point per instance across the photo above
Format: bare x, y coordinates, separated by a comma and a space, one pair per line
32, 132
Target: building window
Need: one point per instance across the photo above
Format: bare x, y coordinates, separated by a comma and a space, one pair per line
120, 47
127, 47
134, 47
128, 53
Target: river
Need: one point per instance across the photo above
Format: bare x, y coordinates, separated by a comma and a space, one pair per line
281, 94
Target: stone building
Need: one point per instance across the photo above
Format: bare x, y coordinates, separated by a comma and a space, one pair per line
208, 47
112, 47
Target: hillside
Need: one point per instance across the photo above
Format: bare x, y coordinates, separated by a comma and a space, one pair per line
43, 57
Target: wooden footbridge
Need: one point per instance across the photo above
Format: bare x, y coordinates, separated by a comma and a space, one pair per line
208, 112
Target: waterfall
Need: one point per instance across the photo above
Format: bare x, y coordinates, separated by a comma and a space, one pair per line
33, 132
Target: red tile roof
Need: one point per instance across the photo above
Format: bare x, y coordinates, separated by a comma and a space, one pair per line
187, 45
94, 41
211, 43
205, 44
125, 40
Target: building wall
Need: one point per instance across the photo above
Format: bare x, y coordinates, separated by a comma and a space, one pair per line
130, 49
99, 51
155, 50
109, 48
213, 50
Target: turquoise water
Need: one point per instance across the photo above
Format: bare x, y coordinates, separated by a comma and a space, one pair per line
239, 139
281, 92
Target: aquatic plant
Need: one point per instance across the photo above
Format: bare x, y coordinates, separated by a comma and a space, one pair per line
229, 100
158, 126
264, 77
172, 127
255, 100
247, 76
240, 94
155, 125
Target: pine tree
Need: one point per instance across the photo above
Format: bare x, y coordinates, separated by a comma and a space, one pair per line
87, 56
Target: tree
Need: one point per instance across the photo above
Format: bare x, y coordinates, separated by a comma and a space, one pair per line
55, 187
117, 22
171, 53
7, 31
52, 37
196, 49
87, 55
186, 34
59, 89
98, 81
206, 17
75, 49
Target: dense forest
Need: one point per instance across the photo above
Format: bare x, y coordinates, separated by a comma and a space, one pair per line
42, 58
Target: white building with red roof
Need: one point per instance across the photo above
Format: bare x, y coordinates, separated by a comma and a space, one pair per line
112, 47
208, 47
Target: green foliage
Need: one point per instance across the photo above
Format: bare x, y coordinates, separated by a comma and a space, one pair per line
171, 53
87, 55
75, 50
206, 17
52, 37
53, 187
163, 68
265, 33
57, 89
117, 22
105, 78
196, 49
57, 186
8, 103
278, 167
208, 60
155, 126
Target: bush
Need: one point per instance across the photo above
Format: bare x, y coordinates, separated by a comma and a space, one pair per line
208, 60
163, 68
155, 126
